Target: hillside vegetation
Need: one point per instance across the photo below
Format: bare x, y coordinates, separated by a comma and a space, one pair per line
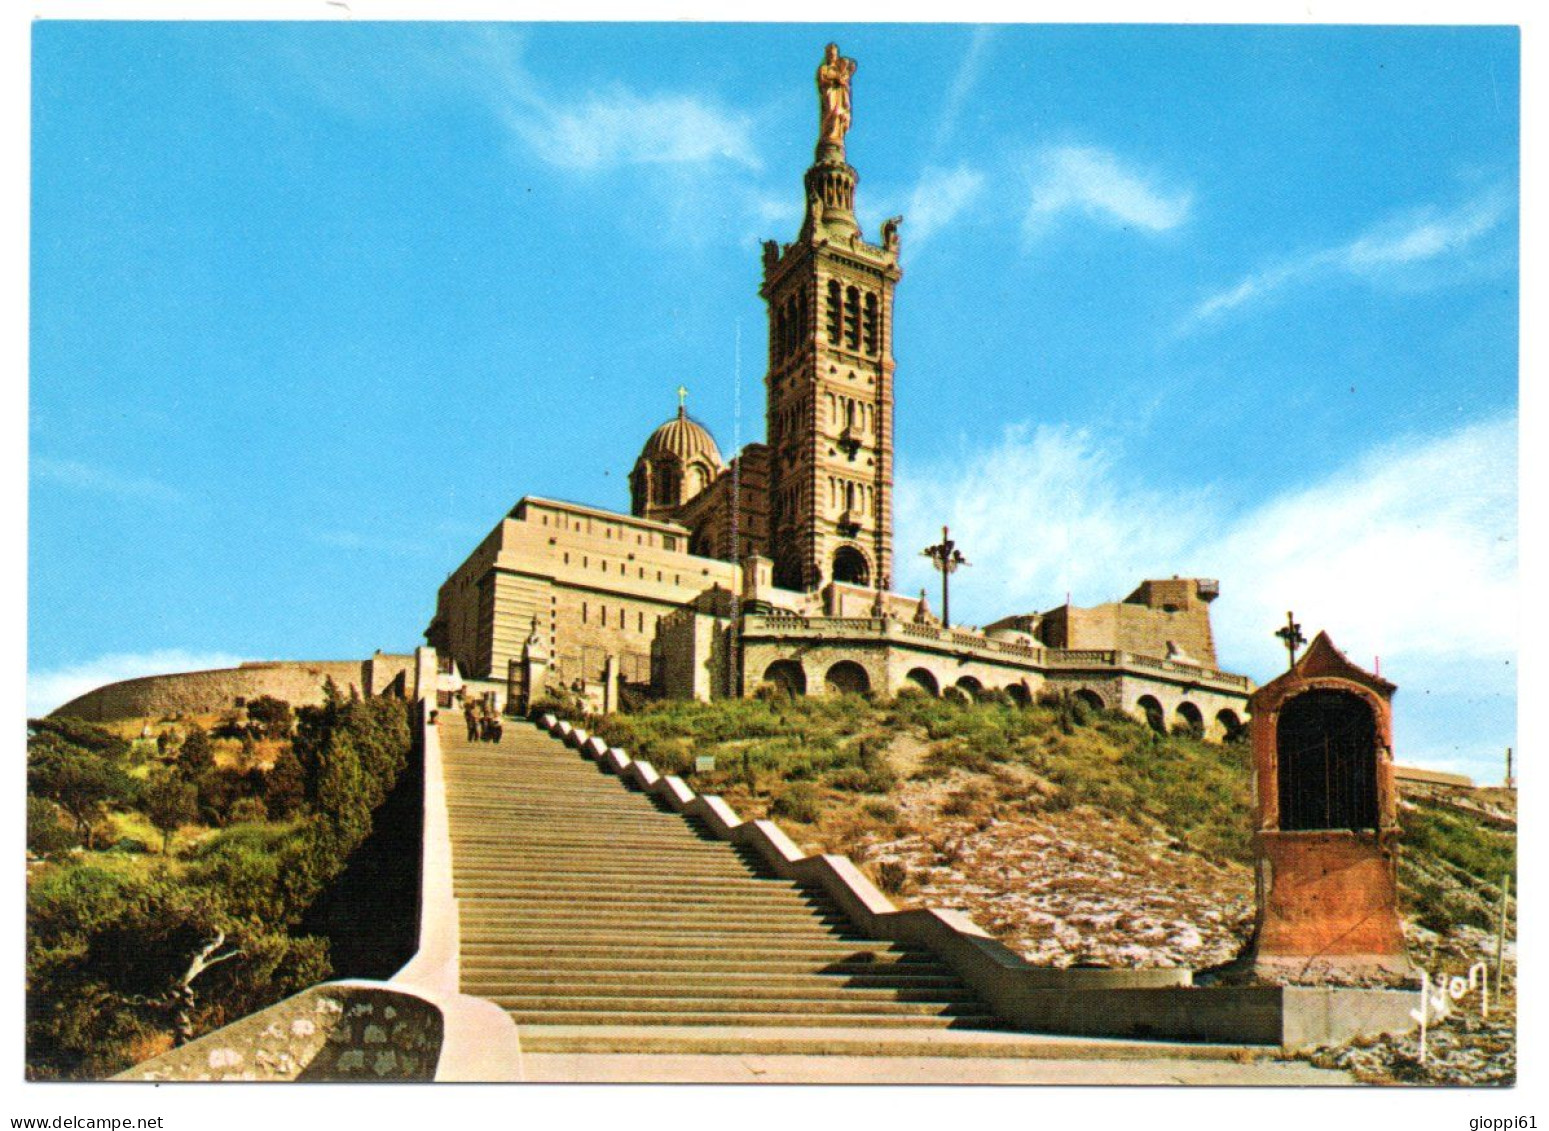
168, 877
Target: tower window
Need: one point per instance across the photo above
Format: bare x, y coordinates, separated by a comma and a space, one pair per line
852, 318
871, 323
835, 314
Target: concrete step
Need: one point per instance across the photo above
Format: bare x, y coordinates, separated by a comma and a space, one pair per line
601, 834
810, 989
867, 1042
488, 957
562, 860
643, 925
600, 879
479, 913
826, 1006
744, 1019
603, 901
538, 938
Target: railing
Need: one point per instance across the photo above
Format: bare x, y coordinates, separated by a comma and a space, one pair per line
787, 624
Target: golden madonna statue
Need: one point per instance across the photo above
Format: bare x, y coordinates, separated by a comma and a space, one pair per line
834, 96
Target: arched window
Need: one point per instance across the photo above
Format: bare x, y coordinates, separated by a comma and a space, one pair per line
850, 566
871, 322
852, 318
835, 313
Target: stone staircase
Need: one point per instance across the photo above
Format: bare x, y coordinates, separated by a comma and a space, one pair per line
603, 922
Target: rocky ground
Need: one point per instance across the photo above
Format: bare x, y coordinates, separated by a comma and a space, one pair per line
1067, 887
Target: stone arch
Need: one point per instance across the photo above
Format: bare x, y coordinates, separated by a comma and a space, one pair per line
788, 676
851, 567
1090, 698
847, 678
1326, 743
1019, 694
1188, 717
970, 687
923, 679
1230, 725
1151, 711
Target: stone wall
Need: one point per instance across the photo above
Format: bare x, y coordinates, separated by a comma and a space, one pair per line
298, 682
337, 1031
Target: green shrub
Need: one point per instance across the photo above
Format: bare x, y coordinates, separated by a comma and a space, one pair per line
47, 832
801, 802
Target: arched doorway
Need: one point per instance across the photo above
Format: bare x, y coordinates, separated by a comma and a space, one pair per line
924, 680
847, 678
850, 566
1327, 742
1155, 717
787, 676
971, 688
1189, 719
1091, 699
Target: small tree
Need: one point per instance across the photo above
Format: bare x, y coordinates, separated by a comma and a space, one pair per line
273, 717
79, 782
285, 786
170, 802
197, 753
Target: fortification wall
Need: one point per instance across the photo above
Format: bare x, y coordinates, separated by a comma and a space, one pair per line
298, 682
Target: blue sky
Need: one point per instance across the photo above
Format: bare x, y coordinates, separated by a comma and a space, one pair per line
313, 304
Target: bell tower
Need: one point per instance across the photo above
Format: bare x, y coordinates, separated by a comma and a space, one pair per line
829, 385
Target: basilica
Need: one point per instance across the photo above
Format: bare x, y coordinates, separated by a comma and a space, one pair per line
775, 568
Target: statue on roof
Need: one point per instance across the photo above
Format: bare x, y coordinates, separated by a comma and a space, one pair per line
834, 97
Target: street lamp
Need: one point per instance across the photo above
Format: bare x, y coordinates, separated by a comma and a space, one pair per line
946, 557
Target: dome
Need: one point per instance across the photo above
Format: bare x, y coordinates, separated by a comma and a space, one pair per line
684, 440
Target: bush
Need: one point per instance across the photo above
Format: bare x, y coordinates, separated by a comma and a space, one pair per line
197, 754
271, 717
801, 802
893, 877
47, 833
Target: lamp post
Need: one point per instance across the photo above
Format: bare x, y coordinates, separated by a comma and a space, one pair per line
946, 557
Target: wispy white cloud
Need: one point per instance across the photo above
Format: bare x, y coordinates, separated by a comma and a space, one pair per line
1408, 552
963, 83
54, 687
1415, 237
939, 198
103, 481
620, 127
606, 129
1097, 184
